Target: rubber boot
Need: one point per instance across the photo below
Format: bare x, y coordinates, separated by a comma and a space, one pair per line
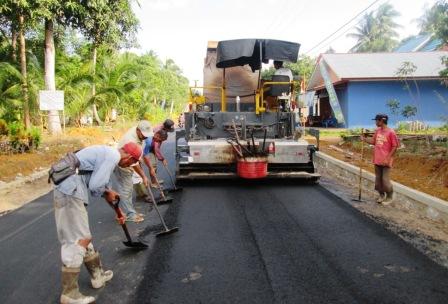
70, 288
98, 277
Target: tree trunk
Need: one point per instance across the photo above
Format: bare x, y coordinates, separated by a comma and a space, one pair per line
94, 108
14, 44
172, 106
26, 107
54, 123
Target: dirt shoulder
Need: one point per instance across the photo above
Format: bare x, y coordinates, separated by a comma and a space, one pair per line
17, 167
424, 172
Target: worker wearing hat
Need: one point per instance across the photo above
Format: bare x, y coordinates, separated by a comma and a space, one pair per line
386, 143
136, 135
71, 196
167, 126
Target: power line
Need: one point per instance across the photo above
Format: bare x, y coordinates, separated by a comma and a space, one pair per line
287, 20
345, 24
339, 36
274, 24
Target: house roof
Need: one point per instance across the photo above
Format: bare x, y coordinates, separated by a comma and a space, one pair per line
422, 43
375, 66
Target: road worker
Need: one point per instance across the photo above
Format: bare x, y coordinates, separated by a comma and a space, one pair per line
151, 154
168, 126
124, 175
385, 143
71, 196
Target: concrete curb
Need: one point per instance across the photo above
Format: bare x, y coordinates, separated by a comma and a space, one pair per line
428, 205
27, 179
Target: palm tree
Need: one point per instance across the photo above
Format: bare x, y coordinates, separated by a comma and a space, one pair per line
116, 78
377, 31
10, 91
435, 20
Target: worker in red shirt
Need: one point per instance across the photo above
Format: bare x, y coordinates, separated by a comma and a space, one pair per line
167, 126
386, 143
151, 154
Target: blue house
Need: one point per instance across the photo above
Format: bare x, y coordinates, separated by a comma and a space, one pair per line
354, 87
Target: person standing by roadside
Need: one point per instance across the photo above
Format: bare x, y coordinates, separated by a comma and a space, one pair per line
124, 175
385, 143
71, 196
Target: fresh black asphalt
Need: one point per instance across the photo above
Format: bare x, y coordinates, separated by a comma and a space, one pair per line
238, 243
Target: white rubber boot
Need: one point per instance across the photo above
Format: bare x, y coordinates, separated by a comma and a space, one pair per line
70, 289
98, 277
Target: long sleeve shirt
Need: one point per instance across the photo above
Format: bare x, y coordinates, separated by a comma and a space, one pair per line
97, 164
130, 136
154, 147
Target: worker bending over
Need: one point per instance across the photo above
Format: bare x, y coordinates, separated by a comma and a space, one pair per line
71, 196
168, 126
151, 153
124, 175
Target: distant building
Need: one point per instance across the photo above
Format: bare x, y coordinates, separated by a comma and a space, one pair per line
420, 43
364, 83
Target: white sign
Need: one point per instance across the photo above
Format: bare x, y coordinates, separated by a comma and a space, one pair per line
51, 100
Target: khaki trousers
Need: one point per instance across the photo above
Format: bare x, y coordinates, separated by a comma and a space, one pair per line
72, 225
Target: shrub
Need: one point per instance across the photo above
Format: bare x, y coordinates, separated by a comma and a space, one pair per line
16, 128
17, 136
23, 140
3, 127
34, 137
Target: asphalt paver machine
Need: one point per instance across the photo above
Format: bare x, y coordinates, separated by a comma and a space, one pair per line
240, 126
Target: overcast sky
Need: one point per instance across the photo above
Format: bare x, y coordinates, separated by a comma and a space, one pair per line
180, 29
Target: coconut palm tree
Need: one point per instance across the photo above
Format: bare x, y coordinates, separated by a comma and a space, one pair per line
10, 92
116, 79
377, 31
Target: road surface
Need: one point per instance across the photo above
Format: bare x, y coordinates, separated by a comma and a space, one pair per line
238, 243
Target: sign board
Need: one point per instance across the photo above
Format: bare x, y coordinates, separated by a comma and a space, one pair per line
51, 100
334, 101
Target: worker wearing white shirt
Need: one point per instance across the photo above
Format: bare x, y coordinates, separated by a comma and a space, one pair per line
280, 70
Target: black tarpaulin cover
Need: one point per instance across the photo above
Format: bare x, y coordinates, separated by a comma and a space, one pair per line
239, 52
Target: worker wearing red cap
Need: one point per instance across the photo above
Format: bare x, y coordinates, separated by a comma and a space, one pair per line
71, 196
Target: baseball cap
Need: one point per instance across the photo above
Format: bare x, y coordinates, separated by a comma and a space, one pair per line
145, 127
133, 150
381, 117
168, 124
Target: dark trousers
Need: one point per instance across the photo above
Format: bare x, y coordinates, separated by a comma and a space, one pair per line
382, 179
